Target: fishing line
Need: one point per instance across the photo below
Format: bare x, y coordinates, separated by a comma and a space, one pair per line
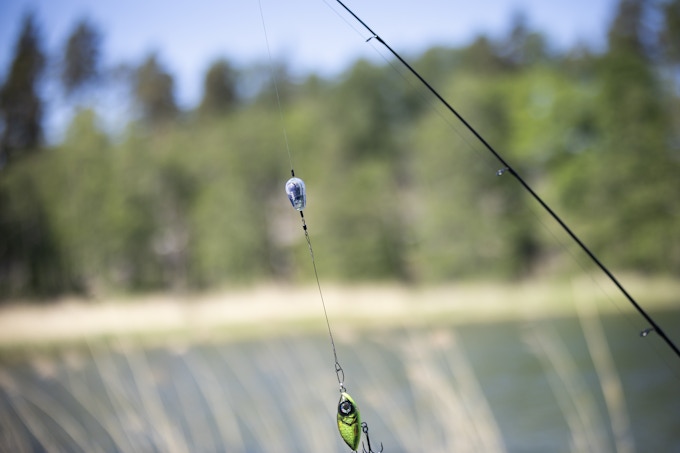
507, 168
348, 416
276, 88
338, 368
437, 108
444, 115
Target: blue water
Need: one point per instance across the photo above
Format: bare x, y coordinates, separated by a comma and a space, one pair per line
514, 386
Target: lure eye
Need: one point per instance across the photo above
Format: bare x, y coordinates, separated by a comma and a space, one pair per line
346, 408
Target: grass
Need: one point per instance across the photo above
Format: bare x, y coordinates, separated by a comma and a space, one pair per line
95, 386
281, 309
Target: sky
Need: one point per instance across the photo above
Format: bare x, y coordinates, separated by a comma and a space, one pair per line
309, 35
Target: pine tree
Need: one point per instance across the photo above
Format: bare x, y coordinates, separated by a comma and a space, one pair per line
670, 36
20, 105
153, 89
81, 57
628, 182
219, 89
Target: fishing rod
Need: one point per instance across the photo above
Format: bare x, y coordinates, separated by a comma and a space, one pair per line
507, 168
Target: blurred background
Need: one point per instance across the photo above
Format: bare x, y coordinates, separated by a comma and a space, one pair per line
143, 153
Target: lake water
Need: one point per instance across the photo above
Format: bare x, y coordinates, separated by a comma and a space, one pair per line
550, 385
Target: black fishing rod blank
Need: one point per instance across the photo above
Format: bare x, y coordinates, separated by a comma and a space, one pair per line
506, 167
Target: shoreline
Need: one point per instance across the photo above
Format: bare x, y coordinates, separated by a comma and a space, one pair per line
276, 309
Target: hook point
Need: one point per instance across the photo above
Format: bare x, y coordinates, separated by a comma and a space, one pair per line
364, 428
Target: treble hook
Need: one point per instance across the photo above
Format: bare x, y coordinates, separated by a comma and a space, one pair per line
364, 428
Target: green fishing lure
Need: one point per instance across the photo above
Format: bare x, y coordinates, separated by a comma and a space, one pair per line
349, 421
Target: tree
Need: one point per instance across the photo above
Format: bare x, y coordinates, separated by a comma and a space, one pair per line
522, 47
482, 56
20, 104
624, 186
81, 57
153, 89
670, 34
627, 34
219, 89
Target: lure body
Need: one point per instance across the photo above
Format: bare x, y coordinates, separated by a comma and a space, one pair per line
349, 421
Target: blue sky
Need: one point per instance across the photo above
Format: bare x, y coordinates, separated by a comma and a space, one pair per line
311, 35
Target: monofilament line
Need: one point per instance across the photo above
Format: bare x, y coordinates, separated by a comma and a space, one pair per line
338, 369
508, 168
340, 374
276, 88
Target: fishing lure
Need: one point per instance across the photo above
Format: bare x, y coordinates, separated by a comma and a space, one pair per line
349, 421
349, 418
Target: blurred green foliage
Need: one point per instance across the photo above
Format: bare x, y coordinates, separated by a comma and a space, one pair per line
397, 188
